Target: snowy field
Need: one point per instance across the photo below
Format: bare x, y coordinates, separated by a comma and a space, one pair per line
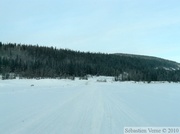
52, 106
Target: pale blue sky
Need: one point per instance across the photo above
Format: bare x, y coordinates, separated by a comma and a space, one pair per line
147, 27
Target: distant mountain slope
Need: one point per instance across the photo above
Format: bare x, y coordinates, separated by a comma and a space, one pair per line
37, 61
159, 62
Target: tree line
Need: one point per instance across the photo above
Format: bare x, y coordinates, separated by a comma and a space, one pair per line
34, 61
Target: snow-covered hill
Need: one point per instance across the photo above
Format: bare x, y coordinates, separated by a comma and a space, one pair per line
52, 106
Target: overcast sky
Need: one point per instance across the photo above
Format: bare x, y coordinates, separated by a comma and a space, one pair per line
146, 27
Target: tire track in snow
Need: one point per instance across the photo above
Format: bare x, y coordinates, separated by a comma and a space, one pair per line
128, 116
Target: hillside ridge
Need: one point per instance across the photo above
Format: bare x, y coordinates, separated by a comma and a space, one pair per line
33, 61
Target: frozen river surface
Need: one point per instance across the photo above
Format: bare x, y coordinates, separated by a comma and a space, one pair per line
85, 107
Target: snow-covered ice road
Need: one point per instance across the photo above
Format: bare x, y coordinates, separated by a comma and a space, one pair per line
85, 107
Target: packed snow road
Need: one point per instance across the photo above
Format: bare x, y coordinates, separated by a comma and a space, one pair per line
85, 107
